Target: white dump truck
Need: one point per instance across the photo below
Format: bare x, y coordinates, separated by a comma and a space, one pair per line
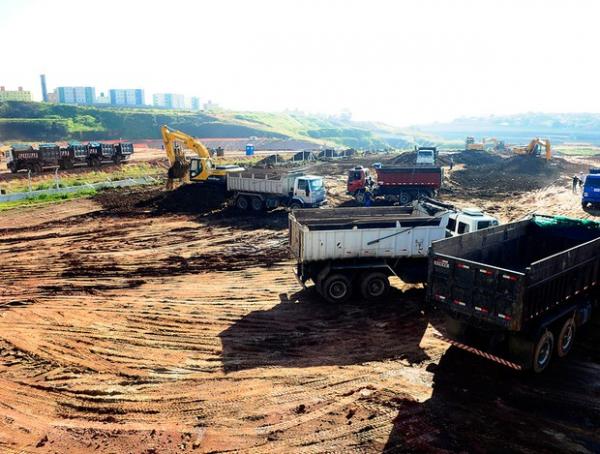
342, 249
259, 189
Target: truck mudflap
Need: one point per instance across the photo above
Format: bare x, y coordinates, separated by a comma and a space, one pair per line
476, 351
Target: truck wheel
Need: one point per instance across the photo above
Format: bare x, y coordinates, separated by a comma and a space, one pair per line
257, 204
13, 168
337, 288
295, 206
374, 285
584, 205
566, 338
242, 203
405, 198
37, 167
542, 353
359, 196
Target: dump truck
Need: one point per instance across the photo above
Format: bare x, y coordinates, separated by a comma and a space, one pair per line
394, 183
34, 160
345, 249
517, 293
259, 189
51, 155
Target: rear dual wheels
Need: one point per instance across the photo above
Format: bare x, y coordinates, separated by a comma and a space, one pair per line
244, 203
374, 286
338, 287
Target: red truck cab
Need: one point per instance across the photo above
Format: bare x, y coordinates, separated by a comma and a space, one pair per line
357, 179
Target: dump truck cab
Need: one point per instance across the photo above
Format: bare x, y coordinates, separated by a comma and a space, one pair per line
469, 220
426, 156
310, 190
358, 178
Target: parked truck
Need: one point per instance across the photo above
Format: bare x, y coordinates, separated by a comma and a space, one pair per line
258, 189
591, 190
345, 249
517, 293
394, 184
51, 155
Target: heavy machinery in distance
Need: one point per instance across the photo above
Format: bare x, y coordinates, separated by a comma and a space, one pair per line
484, 145
534, 148
196, 169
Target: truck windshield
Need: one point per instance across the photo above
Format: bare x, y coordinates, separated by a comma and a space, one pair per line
315, 184
592, 182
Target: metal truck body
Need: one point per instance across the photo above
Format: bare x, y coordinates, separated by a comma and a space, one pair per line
259, 190
591, 190
343, 248
395, 184
519, 290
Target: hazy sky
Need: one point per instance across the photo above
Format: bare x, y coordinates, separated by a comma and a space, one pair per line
402, 62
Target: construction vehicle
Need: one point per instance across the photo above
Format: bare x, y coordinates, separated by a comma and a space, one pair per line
517, 293
259, 190
426, 156
197, 169
342, 249
394, 184
471, 145
591, 190
534, 148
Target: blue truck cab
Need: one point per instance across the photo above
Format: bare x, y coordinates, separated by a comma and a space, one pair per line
591, 190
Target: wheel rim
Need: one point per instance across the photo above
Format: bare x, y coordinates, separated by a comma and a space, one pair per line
404, 198
376, 287
242, 203
338, 290
256, 204
544, 353
360, 197
567, 338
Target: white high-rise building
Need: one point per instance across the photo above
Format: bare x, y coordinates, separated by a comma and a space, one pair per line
169, 100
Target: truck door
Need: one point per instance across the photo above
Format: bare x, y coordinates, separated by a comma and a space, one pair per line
303, 190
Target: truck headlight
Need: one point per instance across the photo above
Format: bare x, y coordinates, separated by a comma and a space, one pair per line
585, 194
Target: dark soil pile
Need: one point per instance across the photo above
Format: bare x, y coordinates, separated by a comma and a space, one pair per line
189, 198
472, 158
410, 159
516, 174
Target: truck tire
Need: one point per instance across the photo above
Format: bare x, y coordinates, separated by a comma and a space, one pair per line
566, 337
337, 288
13, 168
359, 196
542, 353
295, 205
256, 203
374, 286
405, 198
37, 167
117, 159
242, 203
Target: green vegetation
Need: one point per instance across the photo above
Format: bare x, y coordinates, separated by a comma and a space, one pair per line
47, 198
80, 179
29, 121
578, 150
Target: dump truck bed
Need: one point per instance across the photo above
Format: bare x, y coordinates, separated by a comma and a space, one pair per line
514, 274
379, 232
430, 177
265, 182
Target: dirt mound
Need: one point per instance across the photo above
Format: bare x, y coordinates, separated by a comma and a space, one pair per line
410, 158
516, 174
304, 156
189, 198
472, 158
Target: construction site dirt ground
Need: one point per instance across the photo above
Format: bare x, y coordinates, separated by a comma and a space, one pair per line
130, 323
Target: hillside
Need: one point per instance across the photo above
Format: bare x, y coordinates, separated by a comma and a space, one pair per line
51, 122
520, 128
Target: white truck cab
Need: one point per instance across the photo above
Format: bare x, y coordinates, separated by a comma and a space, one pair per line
310, 190
469, 220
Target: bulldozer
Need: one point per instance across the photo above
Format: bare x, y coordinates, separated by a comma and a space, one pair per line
534, 148
196, 169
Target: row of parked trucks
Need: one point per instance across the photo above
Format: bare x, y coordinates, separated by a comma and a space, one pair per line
51, 155
514, 293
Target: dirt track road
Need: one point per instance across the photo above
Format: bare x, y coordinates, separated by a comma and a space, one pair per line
148, 332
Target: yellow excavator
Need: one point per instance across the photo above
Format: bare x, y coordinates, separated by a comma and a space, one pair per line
534, 148
201, 169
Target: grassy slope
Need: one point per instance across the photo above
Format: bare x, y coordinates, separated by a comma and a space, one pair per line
51, 122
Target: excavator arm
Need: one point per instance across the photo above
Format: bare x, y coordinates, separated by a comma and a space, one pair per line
198, 169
